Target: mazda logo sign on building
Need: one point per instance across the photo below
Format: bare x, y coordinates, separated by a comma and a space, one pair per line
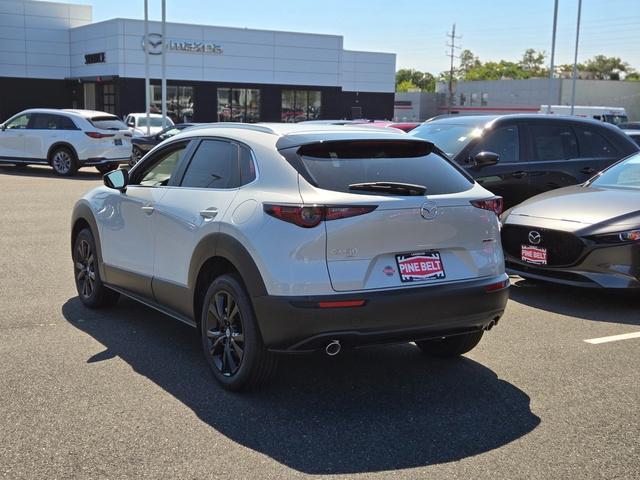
154, 41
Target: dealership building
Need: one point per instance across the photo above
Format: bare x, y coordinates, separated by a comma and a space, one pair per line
52, 55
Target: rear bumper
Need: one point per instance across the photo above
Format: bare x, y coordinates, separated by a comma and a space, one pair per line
297, 324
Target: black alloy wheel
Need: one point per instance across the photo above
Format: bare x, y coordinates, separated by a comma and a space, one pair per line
231, 339
92, 292
225, 333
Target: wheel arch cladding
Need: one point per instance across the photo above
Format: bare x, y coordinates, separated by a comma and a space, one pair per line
217, 254
81, 218
57, 145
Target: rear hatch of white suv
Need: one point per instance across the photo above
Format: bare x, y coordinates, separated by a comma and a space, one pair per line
110, 131
398, 215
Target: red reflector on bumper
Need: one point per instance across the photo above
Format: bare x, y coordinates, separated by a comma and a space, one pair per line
497, 286
341, 304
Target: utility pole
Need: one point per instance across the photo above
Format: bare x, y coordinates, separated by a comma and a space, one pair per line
452, 37
146, 65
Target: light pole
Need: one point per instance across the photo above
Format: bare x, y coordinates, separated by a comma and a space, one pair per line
553, 53
146, 64
164, 64
575, 60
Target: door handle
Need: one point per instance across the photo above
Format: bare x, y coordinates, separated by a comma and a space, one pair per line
588, 170
519, 174
148, 209
209, 213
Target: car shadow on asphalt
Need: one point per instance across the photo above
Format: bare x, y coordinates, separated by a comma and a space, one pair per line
370, 410
586, 303
42, 171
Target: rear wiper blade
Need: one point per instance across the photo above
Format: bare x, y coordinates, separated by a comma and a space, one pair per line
390, 187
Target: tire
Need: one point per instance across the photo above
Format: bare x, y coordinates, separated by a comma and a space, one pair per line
64, 162
106, 168
450, 346
231, 338
136, 155
92, 292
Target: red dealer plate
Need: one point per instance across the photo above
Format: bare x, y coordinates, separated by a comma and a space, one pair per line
535, 255
418, 267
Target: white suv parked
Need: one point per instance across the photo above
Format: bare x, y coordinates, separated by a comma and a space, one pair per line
137, 124
65, 139
292, 238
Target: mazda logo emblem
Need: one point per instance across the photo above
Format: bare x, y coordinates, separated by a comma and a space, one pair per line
155, 43
534, 237
429, 210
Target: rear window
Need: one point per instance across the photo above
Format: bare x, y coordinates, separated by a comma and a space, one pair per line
108, 122
336, 165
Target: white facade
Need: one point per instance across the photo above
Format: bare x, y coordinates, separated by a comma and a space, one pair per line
34, 37
50, 40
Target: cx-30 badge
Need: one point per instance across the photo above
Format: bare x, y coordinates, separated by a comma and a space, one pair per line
429, 210
534, 237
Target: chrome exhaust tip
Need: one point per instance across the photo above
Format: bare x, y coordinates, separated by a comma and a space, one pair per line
490, 325
333, 348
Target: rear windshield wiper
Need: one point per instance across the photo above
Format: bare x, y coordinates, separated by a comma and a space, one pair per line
390, 187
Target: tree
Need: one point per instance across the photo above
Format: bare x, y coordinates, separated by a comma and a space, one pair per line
533, 62
424, 81
406, 86
606, 68
468, 61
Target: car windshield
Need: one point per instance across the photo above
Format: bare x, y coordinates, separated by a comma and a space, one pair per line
450, 138
153, 121
615, 119
170, 132
374, 167
625, 174
108, 122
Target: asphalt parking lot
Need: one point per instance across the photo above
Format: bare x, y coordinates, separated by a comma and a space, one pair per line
125, 393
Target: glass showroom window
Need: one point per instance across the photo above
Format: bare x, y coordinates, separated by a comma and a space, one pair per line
179, 102
299, 105
238, 105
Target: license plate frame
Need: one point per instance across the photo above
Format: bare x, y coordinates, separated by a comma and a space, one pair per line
534, 255
424, 266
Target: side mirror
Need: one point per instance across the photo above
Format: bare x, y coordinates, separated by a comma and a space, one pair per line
485, 159
117, 179
3, 127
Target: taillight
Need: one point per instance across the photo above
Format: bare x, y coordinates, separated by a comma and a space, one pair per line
494, 204
311, 216
99, 135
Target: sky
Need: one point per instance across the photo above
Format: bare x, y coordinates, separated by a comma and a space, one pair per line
416, 30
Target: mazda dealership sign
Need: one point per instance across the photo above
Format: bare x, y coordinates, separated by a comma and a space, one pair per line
156, 45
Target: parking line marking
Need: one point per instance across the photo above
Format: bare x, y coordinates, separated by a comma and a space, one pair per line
613, 338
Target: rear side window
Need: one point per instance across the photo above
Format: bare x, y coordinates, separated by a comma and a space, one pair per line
553, 142
594, 145
336, 165
108, 122
47, 121
503, 141
213, 165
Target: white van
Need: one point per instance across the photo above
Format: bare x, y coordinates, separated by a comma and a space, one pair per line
615, 115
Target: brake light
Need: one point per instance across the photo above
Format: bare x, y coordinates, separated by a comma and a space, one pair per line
311, 216
99, 135
494, 204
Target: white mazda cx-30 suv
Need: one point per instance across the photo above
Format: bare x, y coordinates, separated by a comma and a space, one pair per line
296, 238
65, 139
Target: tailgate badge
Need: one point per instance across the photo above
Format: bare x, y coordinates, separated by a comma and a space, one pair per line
429, 210
389, 271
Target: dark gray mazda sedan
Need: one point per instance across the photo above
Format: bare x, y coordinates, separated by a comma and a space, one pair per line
586, 235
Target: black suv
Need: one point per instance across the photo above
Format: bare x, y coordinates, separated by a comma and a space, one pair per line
518, 156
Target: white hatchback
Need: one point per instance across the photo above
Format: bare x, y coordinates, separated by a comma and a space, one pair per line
65, 139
